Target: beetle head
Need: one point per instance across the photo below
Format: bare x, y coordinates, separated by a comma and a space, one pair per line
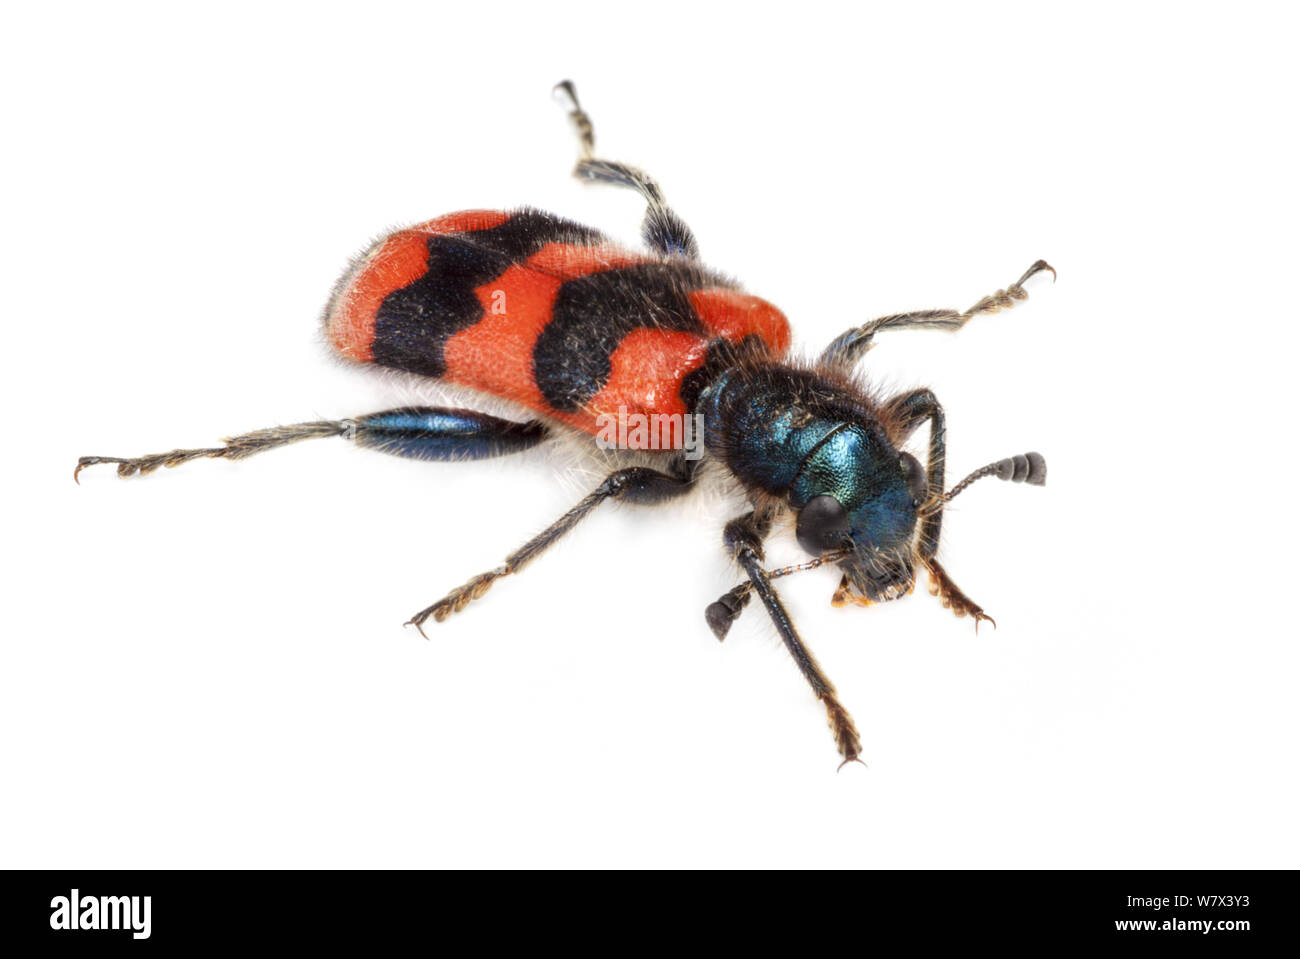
856, 491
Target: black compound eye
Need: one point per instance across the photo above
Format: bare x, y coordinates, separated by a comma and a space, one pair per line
914, 474
823, 525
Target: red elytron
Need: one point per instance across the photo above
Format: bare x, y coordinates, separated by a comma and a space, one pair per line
398, 307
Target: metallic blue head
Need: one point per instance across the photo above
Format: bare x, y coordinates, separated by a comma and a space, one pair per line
856, 490
816, 443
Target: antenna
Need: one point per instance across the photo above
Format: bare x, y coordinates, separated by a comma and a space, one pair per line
1028, 468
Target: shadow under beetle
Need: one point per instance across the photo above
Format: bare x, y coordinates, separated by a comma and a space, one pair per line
552, 316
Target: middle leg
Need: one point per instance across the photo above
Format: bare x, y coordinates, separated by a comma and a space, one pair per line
635, 484
662, 229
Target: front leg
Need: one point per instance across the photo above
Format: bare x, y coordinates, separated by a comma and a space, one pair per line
908, 412
951, 597
851, 345
744, 540
728, 607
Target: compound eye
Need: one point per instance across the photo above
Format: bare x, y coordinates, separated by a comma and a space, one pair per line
914, 475
823, 525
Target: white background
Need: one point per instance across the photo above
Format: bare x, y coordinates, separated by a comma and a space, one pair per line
207, 667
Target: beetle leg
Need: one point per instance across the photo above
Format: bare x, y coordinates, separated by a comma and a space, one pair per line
851, 345
908, 412
421, 432
636, 484
722, 613
744, 540
951, 597
662, 229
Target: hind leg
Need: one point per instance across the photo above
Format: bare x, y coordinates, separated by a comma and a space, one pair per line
662, 229
421, 432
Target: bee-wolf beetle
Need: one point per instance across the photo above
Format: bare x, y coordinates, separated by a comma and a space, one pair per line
553, 317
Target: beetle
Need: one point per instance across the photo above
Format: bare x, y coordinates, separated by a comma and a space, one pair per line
556, 319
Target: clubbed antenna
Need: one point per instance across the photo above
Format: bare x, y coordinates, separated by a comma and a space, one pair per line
728, 607
1028, 468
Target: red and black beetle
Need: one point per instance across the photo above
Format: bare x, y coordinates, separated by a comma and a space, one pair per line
554, 318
